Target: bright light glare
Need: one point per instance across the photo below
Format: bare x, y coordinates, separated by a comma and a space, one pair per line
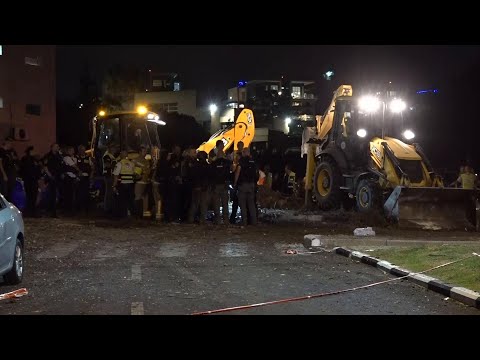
362, 133
150, 116
213, 109
288, 120
397, 105
369, 104
408, 134
101, 113
142, 110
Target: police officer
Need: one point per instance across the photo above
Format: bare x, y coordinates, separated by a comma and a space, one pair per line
85, 166
221, 172
109, 161
123, 184
246, 175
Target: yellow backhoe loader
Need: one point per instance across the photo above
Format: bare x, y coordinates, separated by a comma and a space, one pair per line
351, 160
242, 130
125, 130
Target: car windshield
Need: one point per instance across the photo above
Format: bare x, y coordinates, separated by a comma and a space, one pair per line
378, 123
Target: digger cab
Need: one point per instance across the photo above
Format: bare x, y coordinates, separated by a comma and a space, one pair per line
128, 131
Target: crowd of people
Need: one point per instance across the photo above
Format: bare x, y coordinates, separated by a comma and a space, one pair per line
59, 177
178, 186
182, 186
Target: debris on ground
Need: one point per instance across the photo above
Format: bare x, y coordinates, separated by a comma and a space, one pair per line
313, 241
14, 294
368, 231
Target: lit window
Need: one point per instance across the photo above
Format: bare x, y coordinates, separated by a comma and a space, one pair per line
176, 86
33, 109
296, 92
1, 50
274, 87
1, 101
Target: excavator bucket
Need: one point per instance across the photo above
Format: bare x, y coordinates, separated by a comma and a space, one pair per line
433, 208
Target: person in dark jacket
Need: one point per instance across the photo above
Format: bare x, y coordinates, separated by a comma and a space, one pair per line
160, 180
200, 182
53, 164
220, 176
174, 187
85, 165
246, 176
8, 169
30, 171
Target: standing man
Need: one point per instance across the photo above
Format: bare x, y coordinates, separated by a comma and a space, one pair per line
123, 184
237, 155
30, 171
53, 162
467, 179
221, 172
8, 169
70, 176
246, 175
200, 189
143, 171
85, 166
109, 161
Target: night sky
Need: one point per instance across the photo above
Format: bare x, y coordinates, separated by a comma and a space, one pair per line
212, 69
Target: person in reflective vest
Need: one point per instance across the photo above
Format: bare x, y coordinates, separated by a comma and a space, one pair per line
85, 165
143, 171
123, 184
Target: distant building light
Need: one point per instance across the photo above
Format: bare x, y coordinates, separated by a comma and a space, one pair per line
149, 70
213, 109
231, 98
241, 106
427, 91
329, 74
279, 93
33, 61
1, 50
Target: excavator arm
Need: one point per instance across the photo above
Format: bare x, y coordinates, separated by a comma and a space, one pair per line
243, 130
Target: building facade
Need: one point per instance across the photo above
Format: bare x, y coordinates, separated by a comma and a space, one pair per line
280, 105
28, 96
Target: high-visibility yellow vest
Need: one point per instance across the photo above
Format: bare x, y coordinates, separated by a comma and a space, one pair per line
468, 180
127, 170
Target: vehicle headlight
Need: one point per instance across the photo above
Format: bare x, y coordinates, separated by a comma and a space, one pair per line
408, 134
362, 133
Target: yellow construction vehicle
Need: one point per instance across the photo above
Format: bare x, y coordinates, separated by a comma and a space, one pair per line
125, 130
351, 160
242, 130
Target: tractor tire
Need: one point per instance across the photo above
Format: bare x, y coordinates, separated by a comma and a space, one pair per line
368, 196
326, 185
